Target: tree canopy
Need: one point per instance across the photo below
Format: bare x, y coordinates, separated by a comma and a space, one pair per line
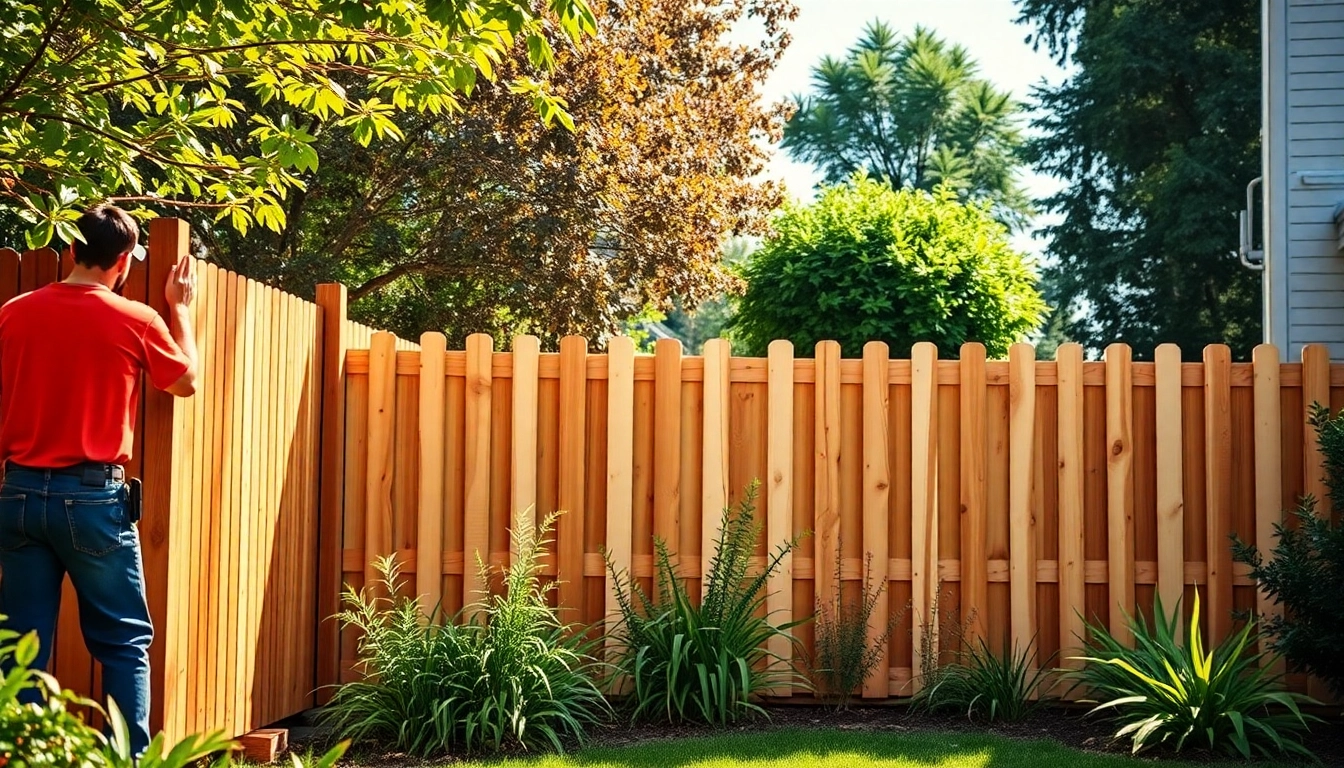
482, 220
865, 262
913, 110
1156, 133
129, 101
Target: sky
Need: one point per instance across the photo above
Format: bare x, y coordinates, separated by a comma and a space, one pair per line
984, 27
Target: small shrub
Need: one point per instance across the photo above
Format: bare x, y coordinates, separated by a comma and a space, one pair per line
975, 681
845, 659
1306, 574
49, 734
1159, 692
511, 674
704, 662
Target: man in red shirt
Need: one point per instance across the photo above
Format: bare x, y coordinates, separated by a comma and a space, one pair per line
71, 357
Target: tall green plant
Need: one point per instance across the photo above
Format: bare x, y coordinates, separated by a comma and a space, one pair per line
1161, 692
511, 674
1306, 572
845, 656
703, 661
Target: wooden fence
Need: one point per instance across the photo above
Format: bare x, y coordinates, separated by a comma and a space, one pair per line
231, 477
1036, 493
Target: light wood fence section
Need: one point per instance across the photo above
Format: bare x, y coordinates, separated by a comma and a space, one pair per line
232, 528
1024, 497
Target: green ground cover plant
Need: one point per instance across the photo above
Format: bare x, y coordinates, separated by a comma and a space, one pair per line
508, 674
1161, 691
703, 661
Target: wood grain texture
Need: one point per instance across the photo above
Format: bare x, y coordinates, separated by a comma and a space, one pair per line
779, 494
1072, 586
826, 464
1170, 477
714, 491
667, 441
526, 359
429, 532
1268, 470
1120, 488
570, 526
924, 579
476, 464
876, 500
1021, 512
1218, 490
974, 491
620, 474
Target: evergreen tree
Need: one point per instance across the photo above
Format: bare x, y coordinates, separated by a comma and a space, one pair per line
912, 110
1156, 132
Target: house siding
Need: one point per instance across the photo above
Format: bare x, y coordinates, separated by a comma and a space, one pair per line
1313, 83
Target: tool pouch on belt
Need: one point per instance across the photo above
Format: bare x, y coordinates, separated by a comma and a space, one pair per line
134, 499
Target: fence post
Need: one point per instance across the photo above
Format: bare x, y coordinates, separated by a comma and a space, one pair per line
331, 302
714, 452
826, 466
429, 536
1120, 488
1072, 584
1021, 511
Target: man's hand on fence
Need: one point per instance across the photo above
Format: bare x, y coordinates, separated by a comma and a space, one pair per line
181, 287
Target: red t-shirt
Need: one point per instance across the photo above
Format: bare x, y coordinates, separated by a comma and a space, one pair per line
70, 363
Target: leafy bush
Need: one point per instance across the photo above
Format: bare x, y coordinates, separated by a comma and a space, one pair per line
49, 734
512, 673
866, 263
844, 657
1306, 574
1159, 692
703, 662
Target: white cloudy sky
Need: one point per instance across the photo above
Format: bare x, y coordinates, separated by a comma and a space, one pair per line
985, 27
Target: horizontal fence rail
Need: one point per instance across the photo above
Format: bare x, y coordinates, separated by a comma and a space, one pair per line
1022, 497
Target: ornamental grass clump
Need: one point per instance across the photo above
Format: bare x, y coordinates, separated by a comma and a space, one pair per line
503, 672
703, 661
846, 656
1160, 692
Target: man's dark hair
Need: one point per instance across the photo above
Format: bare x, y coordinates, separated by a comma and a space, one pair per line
108, 233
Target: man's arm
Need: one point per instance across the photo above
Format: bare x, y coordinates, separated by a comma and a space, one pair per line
180, 327
179, 291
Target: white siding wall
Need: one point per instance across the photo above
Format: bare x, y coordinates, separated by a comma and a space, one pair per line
1315, 142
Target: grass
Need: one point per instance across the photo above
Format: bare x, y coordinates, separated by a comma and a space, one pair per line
812, 748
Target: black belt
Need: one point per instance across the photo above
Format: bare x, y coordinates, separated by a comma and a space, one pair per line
88, 472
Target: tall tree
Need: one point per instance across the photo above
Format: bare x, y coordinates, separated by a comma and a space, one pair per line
117, 99
913, 110
1156, 132
484, 221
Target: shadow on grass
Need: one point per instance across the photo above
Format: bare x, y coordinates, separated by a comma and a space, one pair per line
845, 749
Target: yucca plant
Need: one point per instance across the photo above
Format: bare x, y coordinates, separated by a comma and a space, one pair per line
845, 657
1161, 692
510, 674
703, 662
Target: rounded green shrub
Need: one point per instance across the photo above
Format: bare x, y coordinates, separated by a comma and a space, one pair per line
866, 262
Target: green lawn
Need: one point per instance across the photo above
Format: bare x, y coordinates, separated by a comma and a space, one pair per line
843, 749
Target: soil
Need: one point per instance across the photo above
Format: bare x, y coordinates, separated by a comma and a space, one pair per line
1067, 726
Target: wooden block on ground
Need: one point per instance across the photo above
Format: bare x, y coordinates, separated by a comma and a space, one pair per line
264, 744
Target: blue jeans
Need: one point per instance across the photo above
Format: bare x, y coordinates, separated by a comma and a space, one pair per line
52, 525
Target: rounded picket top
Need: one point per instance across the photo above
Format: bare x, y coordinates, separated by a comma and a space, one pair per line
621, 345
972, 349
825, 346
924, 348
526, 343
779, 347
1069, 351
484, 339
667, 346
1023, 350
877, 348
433, 341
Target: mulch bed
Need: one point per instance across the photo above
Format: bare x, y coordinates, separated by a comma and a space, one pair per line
1066, 726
